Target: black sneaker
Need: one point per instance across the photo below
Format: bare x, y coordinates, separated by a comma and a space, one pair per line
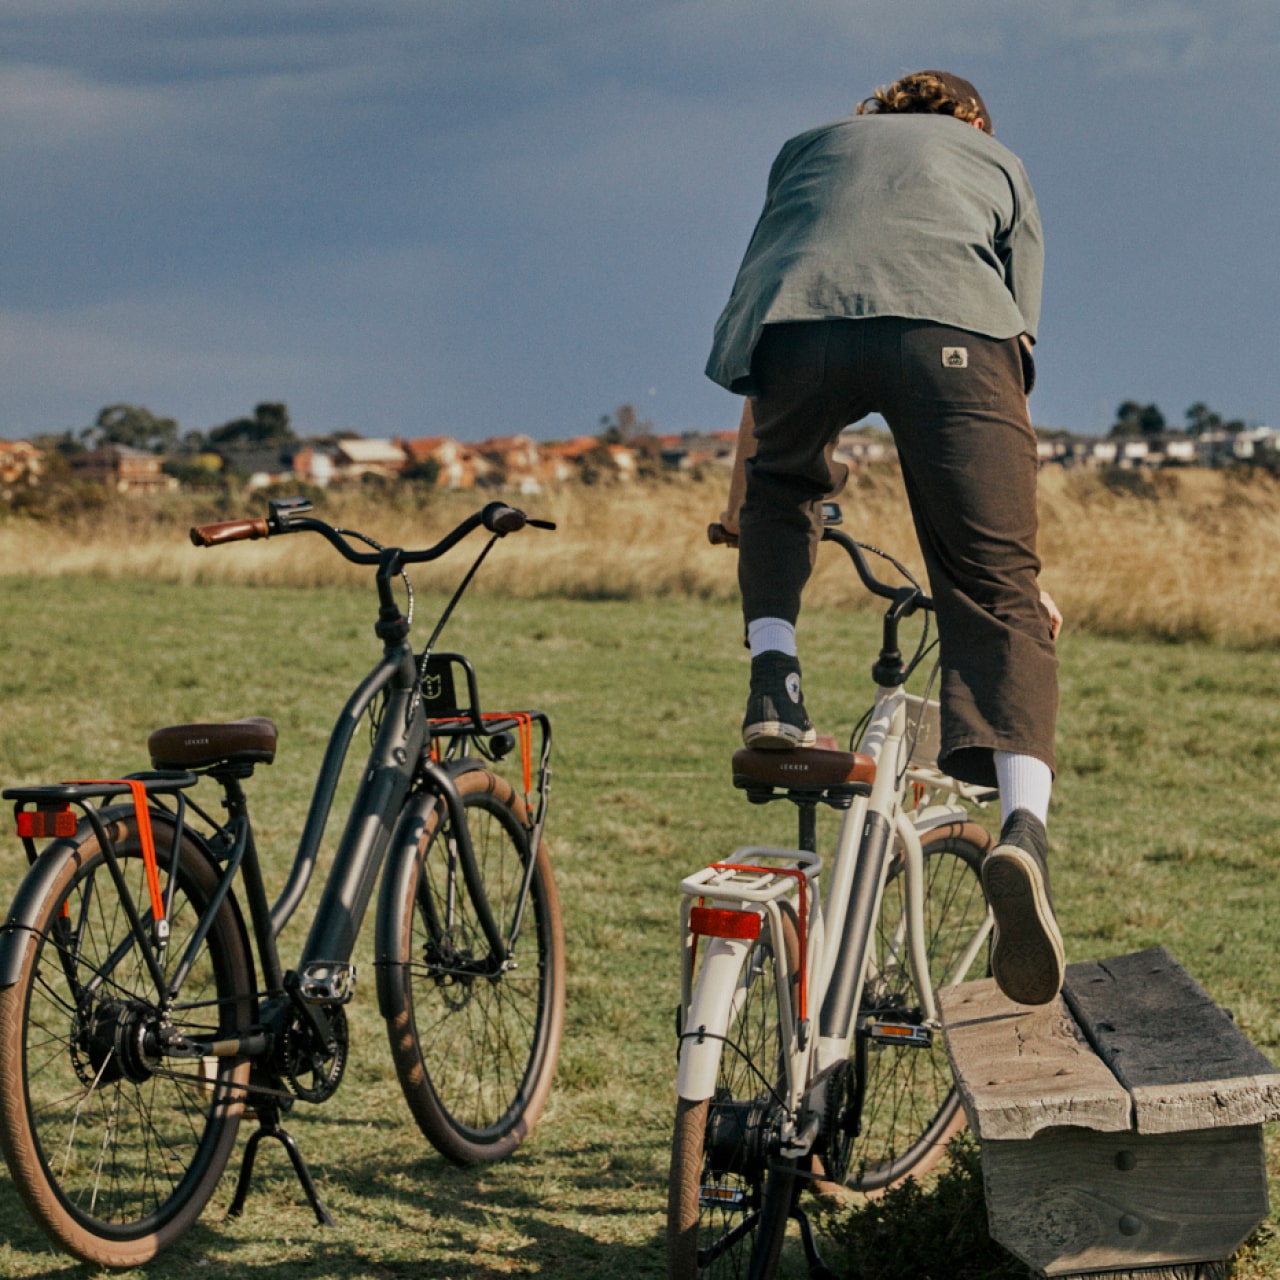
776, 719
1027, 957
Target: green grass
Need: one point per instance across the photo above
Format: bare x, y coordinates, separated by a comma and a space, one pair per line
1162, 827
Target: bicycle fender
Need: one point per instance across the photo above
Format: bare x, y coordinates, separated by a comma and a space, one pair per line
397, 881
707, 1021
20, 924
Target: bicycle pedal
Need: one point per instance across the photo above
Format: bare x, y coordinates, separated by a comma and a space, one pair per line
903, 1033
723, 1197
325, 982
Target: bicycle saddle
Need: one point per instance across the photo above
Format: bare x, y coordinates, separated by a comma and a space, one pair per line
802, 769
198, 746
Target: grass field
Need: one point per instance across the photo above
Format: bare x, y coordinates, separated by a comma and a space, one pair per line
1163, 828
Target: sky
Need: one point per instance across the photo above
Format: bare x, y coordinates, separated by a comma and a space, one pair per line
483, 217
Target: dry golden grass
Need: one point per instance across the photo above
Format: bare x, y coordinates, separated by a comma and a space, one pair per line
1192, 555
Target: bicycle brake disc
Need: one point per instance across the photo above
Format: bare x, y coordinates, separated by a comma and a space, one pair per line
313, 1069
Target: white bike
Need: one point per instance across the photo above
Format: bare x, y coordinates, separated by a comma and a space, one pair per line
810, 1048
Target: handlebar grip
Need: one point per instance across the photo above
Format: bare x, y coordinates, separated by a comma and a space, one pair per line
719, 536
213, 535
499, 518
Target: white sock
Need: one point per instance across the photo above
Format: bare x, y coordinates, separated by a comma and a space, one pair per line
1025, 783
771, 634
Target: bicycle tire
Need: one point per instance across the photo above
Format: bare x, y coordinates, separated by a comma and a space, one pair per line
115, 1149
476, 1054
910, 1106
728, 1200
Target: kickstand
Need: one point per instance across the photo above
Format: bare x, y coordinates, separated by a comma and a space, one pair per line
269, 1127
818, 1270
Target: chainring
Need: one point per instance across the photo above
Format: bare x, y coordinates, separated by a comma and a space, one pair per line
313, 1069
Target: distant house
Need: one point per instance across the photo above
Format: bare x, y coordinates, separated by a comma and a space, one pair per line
313, 466
456, 462
1252, 442
562, 461
262, 467
1099, 453
1179, 451
356, 458
624, 460
695, 449
515, 459
1053, 449
859, 448
123, 468
21, 465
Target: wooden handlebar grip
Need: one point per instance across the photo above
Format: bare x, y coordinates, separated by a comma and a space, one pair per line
212, 535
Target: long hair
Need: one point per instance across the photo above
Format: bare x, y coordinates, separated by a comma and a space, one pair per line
927, 93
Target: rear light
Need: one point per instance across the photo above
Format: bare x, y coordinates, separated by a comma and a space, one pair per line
721, 922
42, 824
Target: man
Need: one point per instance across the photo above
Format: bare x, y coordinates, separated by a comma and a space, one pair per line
896, 268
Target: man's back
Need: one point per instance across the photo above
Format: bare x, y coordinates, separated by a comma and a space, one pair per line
916, 216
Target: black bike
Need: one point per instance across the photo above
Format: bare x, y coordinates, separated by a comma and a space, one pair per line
144, 1008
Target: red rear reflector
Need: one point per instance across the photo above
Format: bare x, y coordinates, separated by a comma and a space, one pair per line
41, 824
721, 922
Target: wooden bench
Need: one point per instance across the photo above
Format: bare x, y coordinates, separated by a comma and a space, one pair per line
1120, 1126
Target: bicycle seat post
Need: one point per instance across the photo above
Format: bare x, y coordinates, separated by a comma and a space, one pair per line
808, 822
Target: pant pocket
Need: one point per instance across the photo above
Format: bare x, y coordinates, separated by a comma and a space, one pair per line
956, 369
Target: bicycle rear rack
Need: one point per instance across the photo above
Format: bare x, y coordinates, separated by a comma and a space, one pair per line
754, 893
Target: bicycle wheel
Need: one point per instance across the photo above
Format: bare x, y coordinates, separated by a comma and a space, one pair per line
475, 1050
115, 1146
899, 1106
728, 1196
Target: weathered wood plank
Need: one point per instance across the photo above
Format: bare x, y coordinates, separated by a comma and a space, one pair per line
1076, 1201
1183, 1061
1023, 1069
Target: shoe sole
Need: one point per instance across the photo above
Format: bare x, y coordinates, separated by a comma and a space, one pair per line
1027, 956
777, 735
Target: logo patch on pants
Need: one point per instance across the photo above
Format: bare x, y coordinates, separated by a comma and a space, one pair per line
955, 357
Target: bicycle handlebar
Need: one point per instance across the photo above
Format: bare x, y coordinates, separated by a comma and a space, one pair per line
497, 517
908, 598
912, 596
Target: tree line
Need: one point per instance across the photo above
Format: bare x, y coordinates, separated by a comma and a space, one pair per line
1136, 419
138, 428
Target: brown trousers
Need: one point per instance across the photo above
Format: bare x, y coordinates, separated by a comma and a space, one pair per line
956, 404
